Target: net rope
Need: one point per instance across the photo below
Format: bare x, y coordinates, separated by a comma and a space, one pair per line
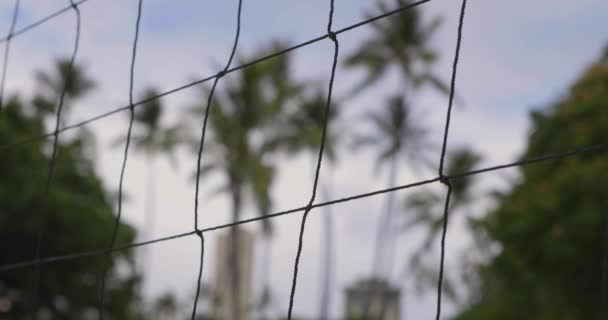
331, 35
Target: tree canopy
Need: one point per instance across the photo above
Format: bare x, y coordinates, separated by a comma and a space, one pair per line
549, 227
79, 218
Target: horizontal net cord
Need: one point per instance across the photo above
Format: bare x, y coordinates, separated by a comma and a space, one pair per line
544, 158
37, 23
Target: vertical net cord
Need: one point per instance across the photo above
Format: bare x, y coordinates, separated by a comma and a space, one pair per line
604, 277
51, 169
197, 230
108, 252
442, 177
7, 49
333, 37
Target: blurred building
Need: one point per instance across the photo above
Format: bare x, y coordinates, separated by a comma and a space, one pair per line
224, 304
373, 296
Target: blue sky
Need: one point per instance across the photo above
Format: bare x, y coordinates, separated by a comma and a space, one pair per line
516, 55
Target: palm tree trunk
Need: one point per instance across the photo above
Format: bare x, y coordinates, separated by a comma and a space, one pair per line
390, 230
390, 233
327, 261
148, 219
266, 259
384, 222
384, 225
234, 256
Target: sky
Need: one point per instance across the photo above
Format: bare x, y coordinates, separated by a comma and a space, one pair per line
516, 56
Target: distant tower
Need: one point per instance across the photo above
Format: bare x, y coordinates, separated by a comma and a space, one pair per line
224, 302
372, 294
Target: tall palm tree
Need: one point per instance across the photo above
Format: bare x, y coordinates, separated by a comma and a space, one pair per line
400, 41
302, 131
72, 79
151, 138
397, 134
241, 117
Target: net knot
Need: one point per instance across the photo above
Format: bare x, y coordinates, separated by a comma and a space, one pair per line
221, 73
199, 232
73, 5
308, 207
332, 35
444, 179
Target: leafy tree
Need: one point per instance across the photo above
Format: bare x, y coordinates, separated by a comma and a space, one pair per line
302, 128
400, 41
80, 218
549, 227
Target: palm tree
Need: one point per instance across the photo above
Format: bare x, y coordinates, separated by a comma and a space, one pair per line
425, 208
302, 132
76, 83
302, 128
398, 134
72, 79
403, 42
240, 117
152, 139
400, 41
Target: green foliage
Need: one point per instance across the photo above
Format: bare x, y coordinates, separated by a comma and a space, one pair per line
402, 41
72, 79
80, 218
301, 129
241, 120
150, 136
550, 225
